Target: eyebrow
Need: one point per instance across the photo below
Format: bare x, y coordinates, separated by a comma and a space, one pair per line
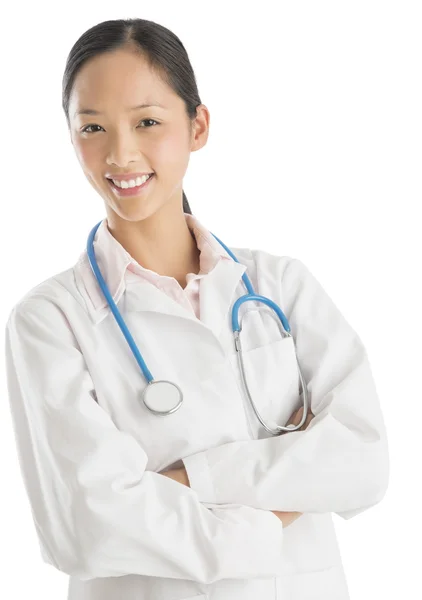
91, 111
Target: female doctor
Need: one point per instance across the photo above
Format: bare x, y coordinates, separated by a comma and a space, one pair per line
166, 455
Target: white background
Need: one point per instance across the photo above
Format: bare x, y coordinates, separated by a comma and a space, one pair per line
314, 152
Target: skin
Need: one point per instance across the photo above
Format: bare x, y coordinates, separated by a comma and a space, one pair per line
150, 226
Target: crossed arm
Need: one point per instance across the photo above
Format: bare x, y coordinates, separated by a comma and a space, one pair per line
340, 464
287, 517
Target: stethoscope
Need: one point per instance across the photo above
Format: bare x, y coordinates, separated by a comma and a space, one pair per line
164, 397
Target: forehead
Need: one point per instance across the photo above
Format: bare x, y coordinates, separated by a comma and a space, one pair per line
119, 80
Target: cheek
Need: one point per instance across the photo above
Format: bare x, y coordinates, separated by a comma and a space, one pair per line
90, 162
86, 155
171, 152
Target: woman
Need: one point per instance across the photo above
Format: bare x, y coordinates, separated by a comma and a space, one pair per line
203, 502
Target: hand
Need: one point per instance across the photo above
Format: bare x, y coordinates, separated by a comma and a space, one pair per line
296, 418
179, 475
285, 517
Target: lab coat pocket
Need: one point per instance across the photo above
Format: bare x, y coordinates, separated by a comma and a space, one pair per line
272, 378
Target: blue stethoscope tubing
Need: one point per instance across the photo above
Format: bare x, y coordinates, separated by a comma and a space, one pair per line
169, 389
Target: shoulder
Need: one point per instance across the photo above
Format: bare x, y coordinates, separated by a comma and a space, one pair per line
283, 278
44, 299
266, 265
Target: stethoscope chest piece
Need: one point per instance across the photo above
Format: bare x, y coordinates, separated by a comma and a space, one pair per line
162, 397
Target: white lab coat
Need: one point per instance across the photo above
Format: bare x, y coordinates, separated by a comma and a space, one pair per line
91, 453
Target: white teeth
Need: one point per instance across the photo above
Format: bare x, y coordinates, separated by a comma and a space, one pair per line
131, 183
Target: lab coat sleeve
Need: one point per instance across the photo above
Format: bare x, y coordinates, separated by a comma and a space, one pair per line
97, 511
338, 464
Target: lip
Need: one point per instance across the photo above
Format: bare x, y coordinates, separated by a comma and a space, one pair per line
130, 191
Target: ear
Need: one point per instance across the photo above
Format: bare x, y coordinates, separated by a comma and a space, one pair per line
200, 129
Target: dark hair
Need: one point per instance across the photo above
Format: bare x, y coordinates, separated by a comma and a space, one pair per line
162, 49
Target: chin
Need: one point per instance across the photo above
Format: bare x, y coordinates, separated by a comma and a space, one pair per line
132, 214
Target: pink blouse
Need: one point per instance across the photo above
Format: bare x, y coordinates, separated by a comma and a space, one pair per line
118, 260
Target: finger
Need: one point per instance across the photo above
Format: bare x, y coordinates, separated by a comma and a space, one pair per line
295, 418
308, 419
297, 415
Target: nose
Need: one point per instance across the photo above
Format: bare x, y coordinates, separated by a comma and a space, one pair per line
123, 149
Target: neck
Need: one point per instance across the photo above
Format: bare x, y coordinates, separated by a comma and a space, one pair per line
161, 243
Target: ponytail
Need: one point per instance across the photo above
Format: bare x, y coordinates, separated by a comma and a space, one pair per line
186, 207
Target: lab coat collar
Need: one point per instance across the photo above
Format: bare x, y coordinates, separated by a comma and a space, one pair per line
216, 291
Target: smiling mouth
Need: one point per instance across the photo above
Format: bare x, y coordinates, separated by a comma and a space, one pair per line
134, 178
130, 191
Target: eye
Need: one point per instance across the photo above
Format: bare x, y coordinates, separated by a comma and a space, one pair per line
149, 120
85, 129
